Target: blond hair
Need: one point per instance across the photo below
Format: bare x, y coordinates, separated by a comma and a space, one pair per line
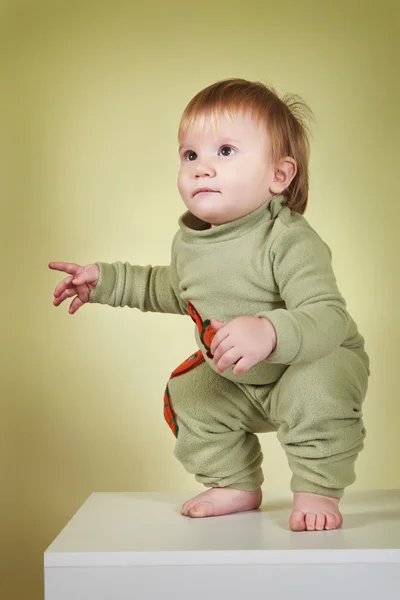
286, 119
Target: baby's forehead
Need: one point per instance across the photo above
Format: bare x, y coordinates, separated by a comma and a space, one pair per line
220, 125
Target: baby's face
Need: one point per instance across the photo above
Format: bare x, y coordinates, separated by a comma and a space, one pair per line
226, 170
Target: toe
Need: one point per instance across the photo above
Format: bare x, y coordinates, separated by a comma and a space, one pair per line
339, 521
320, 521
330, 521
296, 521
310, 521
200, 510
333, 521
186, 507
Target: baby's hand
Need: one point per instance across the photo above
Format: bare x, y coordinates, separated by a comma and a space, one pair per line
243, 342
82, 281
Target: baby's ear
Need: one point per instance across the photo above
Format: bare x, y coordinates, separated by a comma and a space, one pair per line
285, 171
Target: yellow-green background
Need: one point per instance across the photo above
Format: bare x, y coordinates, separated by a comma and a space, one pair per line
91, 98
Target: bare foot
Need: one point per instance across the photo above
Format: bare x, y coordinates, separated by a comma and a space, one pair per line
312, 512
221, 501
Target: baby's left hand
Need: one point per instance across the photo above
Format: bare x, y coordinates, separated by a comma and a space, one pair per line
243, 342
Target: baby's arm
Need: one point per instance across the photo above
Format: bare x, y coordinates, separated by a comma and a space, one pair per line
147, 288
315, 319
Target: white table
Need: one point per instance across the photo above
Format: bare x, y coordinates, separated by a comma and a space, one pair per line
121, 546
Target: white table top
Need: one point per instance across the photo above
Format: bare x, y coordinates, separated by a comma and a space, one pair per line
146, 528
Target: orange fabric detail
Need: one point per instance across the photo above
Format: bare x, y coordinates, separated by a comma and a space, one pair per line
190, 363
206, 332
169, 413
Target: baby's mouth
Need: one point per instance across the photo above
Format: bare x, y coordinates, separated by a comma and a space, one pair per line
205, 190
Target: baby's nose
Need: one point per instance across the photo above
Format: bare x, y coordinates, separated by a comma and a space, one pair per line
204, 169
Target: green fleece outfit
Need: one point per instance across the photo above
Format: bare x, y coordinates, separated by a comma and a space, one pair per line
270, 263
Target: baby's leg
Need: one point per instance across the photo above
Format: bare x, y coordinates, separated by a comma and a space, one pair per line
214, 443
318, 408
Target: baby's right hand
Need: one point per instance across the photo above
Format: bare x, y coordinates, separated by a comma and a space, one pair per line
81, 282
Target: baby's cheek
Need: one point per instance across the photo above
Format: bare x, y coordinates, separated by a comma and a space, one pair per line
179, 182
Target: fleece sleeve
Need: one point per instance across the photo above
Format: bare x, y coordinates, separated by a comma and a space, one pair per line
147, 288
315, 320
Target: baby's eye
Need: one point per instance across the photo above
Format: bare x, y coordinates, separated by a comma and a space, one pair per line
190, 155
227, 151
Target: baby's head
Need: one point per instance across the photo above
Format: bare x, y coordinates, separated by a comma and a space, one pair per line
239, 145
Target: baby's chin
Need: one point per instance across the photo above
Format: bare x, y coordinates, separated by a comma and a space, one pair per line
213, 216
215, 221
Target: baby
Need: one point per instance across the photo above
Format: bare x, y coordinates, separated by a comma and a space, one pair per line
277, 349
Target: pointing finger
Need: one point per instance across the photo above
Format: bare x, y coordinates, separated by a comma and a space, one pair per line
70, 268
